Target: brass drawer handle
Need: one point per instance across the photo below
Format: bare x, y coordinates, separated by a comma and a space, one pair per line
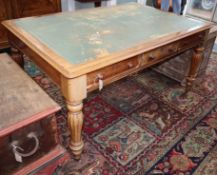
16, 148
172, 50
99, 80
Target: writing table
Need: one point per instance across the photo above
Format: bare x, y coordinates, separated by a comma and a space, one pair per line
79, 49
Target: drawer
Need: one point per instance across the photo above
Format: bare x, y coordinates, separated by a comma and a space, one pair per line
159, 54
191, 41
31, 142
172, 49
111, 73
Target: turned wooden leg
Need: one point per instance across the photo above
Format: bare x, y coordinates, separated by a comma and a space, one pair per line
17, 56
195, 64
75, 91
75, 123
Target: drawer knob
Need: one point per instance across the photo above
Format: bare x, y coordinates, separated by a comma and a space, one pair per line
185, 44
179, 49
130, 65
99, 76
201, 36
174, 49
171, 50
151, 58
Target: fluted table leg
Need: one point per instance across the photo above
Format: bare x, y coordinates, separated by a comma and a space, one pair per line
74, 90
195, 65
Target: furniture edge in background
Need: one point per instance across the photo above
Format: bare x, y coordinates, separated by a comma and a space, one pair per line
12, 9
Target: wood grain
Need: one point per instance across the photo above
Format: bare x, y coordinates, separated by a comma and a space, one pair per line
195, 64
12, 9
38, 60
4, 15
25, 8
74, 90
20, 97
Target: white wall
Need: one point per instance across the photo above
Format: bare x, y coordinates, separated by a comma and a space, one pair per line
71, 5
68, 5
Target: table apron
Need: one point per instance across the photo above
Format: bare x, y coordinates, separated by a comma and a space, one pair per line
134, 64
118, 70
35, 57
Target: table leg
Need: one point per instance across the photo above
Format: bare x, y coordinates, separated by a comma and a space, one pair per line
195, 64
17, 56
74, 90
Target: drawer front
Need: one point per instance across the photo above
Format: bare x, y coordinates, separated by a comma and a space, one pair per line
112, 72
124, 68
158, 54
191, 41
25, 8
172, 49
36, 140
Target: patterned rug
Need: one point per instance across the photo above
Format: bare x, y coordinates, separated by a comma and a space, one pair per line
141, 125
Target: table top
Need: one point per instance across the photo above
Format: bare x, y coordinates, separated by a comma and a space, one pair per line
20, 103
75, 41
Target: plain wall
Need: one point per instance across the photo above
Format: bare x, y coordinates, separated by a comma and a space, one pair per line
71, 5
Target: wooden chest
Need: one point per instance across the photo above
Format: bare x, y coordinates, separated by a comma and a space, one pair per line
28, 133
177, 68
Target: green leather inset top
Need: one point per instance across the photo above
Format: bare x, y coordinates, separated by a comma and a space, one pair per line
88, 34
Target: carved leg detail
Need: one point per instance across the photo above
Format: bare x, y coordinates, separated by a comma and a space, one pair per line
195, 64
17, 56
75, 123
75, 90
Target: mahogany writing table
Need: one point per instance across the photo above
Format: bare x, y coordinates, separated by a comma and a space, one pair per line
76, 49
